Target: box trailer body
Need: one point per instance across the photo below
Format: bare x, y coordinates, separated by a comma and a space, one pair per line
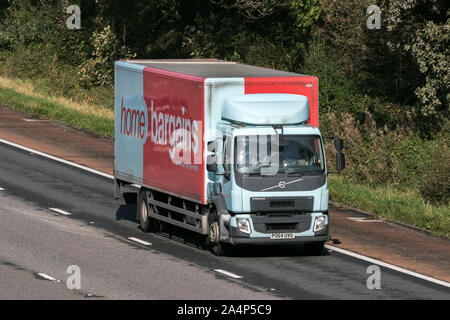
173, 116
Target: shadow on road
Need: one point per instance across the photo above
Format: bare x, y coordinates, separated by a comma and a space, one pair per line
127, 212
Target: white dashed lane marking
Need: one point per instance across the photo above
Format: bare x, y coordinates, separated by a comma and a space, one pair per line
145, 243
229, 274
60, 211
47, 277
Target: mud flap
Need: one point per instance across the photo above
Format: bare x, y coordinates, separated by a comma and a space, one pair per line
118, 184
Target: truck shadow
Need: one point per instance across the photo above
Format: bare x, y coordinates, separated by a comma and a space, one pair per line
193, 239
286, 250
127, 211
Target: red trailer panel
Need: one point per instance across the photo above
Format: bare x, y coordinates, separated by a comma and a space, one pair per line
307, 86
173, 152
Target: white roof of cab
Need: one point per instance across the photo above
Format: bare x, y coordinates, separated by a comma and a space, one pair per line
266, 109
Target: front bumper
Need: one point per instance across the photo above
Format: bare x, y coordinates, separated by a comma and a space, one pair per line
263, 226
268, 241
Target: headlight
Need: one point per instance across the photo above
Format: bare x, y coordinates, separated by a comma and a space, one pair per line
319, 223
244, 225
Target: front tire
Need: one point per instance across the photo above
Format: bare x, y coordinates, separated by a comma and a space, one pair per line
213, 238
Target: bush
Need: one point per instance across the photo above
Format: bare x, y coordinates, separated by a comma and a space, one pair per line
398, 157
99, 70
24, 24
435, 172
338, 92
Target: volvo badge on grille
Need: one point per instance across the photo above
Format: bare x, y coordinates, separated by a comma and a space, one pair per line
282, 184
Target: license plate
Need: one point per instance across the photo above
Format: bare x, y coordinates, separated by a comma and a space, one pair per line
282, 235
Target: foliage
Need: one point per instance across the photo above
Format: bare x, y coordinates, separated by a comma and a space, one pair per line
431, 51
381, 156
23, 25
421, 30
97, 70
338, 91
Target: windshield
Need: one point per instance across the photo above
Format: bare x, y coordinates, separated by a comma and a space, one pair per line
292, 154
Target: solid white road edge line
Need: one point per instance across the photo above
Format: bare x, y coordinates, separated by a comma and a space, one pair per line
388, 265
145, 243
60, 211
47, 277
355, 255
232, 275
1, 189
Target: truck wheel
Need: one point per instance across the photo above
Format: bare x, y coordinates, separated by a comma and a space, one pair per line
147, 224
314, 248
212, 239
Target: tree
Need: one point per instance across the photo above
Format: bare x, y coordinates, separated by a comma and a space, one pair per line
421, 30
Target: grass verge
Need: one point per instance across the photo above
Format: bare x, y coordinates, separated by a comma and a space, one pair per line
406, 206
22, 95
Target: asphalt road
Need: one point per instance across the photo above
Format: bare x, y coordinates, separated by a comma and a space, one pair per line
36, 241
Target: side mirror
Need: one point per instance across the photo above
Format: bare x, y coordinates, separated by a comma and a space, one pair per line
340, 161
338, 144
211, 160
211, 163
212, 146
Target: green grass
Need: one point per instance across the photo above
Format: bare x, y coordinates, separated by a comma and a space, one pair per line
50, 108
406, 206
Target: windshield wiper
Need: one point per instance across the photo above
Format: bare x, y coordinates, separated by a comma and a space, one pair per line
303, 173
296, 174
252, 174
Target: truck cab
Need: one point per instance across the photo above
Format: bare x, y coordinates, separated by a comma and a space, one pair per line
267, 166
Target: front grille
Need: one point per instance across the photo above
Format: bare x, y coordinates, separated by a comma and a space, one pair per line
280, 226
282, 204
288, 204
273, 224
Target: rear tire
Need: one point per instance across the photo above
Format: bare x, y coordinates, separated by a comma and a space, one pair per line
147, 224
314, 248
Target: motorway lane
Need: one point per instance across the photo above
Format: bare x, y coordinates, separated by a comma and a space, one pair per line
281, 271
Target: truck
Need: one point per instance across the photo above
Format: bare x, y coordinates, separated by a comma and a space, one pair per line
227, 150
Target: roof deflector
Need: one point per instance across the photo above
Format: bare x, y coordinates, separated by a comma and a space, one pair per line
266, 109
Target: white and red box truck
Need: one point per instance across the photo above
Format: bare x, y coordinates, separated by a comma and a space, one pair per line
228, 150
